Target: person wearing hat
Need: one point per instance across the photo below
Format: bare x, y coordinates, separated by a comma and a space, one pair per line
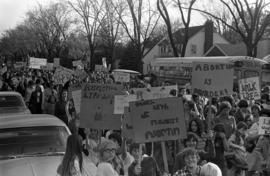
107, 150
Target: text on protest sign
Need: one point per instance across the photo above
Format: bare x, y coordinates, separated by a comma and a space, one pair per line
154, 92
62, 75
249, 88
212, 79
121, 101
36, 63
264, 126
158, 119
97, 106
121, 77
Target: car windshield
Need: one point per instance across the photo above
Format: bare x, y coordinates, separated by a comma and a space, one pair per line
11, 103
32, 141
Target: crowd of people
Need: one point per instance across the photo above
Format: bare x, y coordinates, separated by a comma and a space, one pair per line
222, 133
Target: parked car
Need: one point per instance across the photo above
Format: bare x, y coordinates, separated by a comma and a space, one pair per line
12, 103
31, 145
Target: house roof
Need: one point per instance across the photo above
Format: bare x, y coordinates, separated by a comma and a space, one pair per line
229, 49
179, 34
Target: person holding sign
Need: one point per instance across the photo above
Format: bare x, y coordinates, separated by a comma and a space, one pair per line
142, 165
107, 150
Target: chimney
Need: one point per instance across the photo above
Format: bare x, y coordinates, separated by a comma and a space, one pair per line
209, 34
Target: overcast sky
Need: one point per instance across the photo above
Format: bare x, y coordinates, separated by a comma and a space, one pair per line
12, 12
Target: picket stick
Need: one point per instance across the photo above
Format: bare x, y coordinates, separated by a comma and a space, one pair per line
208, 117
152, 149
164, 154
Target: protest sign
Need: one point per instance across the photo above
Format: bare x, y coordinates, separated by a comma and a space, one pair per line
77, 63
62, 75
249, 88
100, 68
56, 62
264, 126
19, 65
158, 119
127, 127
97, 106
154, 92
121, 101
121, 77
213, 79
36, 63
76, 92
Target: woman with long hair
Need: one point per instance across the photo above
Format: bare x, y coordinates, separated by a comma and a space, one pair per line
72, 162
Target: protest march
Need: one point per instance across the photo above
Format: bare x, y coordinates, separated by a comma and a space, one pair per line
151, 129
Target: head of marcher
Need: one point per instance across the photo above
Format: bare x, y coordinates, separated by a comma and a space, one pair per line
210, 169
191, 157
191, 141
107, 150
224, 109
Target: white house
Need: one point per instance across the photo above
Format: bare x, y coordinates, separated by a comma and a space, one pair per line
201, 39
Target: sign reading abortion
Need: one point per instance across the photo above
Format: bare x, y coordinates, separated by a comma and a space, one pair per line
213, 79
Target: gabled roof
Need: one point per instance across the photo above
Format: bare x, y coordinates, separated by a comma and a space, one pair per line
179, 34
228, 49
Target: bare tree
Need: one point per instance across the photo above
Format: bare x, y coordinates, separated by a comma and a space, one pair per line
90, 13
186, 21
165, 15
144, 20
50, 26
249, 21
110, 25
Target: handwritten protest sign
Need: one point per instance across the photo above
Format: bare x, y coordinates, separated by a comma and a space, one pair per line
77, 63
158, 119
249, 88
121, 101
36, 63
56, 62
154, 92
264, 126
127, 127
76, 93
62, 75
121, 77
100, 68
97, 106
212, 79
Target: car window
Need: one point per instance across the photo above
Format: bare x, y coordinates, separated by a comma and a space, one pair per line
10, 101
29, 140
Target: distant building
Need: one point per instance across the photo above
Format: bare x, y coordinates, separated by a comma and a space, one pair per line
263, 49
201, 39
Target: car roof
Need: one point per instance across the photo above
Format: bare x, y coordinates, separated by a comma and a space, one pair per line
10, 93
29, 120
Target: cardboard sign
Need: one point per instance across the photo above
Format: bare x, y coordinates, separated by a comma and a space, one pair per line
62, 75
36, 63
97, 106
77, 63
127, 127
154, 92
122, 101
249, 88
56, 62
19, 65
100, 68
212, 79
264, 126
158, 119
121, 77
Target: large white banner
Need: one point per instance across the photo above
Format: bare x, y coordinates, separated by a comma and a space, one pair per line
37, 63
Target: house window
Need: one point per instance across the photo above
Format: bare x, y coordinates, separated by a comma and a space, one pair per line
193, 49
